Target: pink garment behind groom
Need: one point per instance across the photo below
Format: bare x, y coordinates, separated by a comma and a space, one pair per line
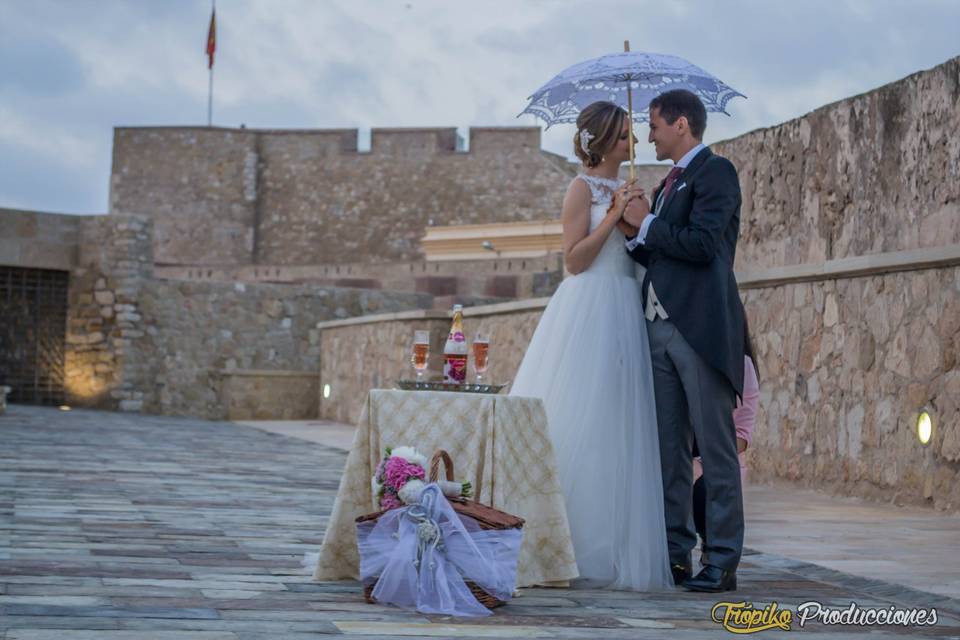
744, 416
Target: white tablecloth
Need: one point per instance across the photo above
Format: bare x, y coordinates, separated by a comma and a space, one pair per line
499, 443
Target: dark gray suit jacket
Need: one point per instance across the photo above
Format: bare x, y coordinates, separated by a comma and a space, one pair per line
689, 251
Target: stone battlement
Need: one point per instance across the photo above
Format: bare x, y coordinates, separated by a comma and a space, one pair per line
383, 140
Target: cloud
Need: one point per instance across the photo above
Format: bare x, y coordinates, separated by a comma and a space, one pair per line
53, 143
71, 71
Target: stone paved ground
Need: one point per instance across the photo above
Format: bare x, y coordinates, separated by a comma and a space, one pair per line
124, 527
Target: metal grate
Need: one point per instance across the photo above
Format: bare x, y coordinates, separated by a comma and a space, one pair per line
33, 323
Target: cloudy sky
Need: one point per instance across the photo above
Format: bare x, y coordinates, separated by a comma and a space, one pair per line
71, 70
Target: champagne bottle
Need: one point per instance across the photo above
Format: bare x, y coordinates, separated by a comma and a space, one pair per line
455, 350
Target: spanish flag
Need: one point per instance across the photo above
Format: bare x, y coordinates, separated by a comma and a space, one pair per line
212, 38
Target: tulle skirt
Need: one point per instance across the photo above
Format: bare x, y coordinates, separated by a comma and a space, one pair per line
589, 360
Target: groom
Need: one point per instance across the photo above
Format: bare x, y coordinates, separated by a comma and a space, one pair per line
687, 241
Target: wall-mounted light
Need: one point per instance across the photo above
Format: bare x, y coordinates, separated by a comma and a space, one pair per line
486, 244
924, 427
326, 391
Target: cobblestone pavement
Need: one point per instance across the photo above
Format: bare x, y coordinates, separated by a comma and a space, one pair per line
117, 526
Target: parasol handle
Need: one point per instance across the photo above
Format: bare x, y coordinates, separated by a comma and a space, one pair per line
626, 49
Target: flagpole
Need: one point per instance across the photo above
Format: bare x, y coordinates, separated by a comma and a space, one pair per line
210, 100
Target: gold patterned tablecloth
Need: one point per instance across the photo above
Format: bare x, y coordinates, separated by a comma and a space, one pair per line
499, 443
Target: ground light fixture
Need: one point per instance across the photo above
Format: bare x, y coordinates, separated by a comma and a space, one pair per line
924, 427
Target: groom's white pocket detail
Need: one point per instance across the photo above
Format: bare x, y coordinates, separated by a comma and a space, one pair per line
681, 187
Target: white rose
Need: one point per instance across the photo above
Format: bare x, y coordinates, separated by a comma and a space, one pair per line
451, 489
411, 455
410, 492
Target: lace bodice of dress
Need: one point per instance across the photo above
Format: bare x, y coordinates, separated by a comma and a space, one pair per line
613, 258
601, 189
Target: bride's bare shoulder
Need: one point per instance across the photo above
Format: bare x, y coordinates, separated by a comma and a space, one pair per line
578, 189
577, 201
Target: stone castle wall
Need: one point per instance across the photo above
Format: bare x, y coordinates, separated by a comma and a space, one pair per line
39, 240
199, 185
869, 174
846, 366
235, 197
139, 343
198, 334
104, 322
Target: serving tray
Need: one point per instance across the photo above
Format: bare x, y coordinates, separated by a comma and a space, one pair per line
466, 387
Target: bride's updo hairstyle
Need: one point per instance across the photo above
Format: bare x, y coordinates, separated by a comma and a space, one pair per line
598, 127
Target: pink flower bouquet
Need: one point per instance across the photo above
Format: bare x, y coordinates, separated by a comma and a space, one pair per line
400, 476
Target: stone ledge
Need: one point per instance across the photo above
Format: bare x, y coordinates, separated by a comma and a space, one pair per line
532, 304
384, 317
261, 373
514, 306
859, 266
875, 264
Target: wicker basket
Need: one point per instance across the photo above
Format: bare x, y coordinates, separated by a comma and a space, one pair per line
486, 517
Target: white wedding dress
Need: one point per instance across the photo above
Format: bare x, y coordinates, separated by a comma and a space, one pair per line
589, 361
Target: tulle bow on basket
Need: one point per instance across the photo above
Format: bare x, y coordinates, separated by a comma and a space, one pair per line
430, 558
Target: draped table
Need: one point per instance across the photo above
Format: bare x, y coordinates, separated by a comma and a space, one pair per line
498, 443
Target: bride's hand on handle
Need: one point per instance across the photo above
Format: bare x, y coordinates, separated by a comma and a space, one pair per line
620, 197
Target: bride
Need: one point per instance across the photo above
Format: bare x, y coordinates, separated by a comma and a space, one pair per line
589, 361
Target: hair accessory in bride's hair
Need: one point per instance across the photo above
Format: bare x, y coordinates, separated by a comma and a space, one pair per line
585, 138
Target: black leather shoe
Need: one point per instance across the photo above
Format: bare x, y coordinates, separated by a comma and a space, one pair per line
712, 579
681, 572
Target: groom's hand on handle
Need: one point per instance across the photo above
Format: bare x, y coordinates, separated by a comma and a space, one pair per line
628, 229
637, 209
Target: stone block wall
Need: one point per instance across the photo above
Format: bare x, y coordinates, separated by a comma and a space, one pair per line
104, 323
869, 174
138, 343
39, 240
374, 206
357, 357
198, 184
846, 366
233, 197
363, 354
196, 330
269, 395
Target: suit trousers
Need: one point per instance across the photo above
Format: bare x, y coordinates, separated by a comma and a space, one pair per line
695, 401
